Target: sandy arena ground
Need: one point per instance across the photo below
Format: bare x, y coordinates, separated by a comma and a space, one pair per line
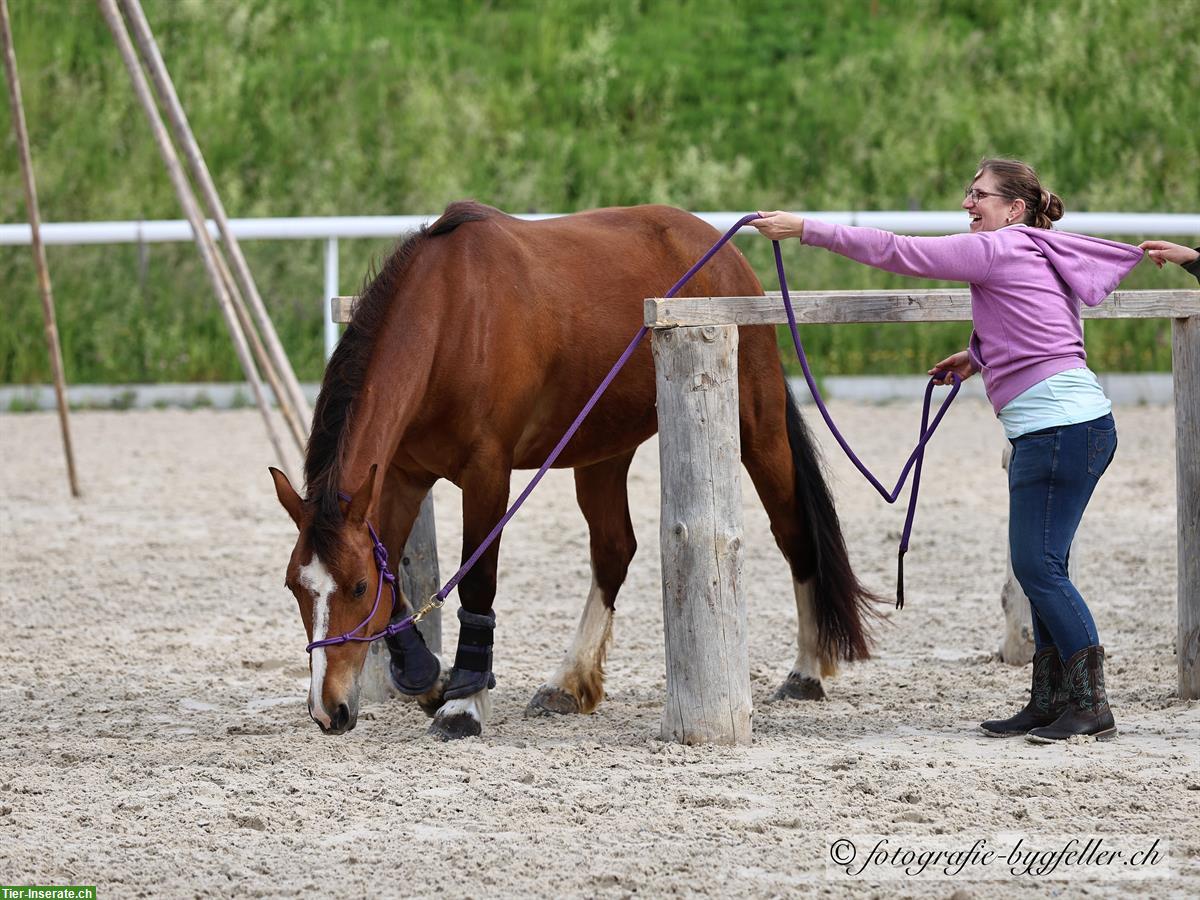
157, 744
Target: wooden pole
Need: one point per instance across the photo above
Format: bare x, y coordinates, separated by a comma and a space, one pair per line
417, 569
39, 250
418, 572
199, 228
165, 87
1185, 365
290, 414
704, 612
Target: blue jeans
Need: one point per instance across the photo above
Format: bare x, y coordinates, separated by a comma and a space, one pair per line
1051, 476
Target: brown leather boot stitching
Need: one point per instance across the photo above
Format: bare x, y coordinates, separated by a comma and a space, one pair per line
1047, 698
1087, 712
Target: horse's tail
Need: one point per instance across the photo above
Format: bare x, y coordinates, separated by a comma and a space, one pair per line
843, 607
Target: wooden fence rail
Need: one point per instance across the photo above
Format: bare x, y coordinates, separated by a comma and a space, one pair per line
708, 604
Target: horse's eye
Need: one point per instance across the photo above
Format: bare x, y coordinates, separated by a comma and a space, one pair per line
360, 589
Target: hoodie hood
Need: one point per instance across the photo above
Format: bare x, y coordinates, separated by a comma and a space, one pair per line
1092, 267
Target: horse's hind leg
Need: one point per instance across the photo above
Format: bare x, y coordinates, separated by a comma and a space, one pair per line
768, 458
578, 684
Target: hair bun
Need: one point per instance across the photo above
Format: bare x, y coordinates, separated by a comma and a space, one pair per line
1052, 206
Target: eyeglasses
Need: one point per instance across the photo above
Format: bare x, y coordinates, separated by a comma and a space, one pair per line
975, 195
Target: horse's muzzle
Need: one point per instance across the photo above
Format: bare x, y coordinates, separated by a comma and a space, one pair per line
341, 720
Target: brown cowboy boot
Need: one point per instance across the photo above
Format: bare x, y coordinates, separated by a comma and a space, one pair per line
1087, 711
1047, 698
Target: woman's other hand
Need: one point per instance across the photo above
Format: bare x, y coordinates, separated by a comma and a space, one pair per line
778, 225
959, 364
1165, 252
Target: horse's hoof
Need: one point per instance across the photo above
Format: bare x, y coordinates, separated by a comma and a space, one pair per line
431, 705
552, 701
799, 687
454, 727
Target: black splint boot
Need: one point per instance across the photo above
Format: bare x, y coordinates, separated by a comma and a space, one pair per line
414, 668
1087, 712
1047, 698
472, 670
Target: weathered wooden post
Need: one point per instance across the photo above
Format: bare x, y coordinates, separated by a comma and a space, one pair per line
417, 571
704, 611
1185, 366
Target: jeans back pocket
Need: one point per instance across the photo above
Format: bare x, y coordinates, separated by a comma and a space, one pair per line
1102, 447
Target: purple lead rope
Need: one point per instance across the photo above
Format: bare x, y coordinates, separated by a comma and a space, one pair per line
583, 413
915, 458
913, 463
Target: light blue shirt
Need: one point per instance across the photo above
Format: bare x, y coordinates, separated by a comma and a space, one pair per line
1067, 398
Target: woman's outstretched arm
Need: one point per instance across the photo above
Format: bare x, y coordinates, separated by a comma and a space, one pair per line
1164, 252
956, 257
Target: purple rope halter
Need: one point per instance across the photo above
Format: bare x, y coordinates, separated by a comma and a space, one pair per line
913, 463
385, 575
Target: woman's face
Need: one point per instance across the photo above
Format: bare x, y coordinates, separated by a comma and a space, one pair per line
988, 209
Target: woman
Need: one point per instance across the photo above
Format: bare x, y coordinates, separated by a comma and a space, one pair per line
1165, 252
1026, 285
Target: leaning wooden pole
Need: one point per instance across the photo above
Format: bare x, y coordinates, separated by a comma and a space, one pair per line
178, 120
704, 611
39, 250
293, 416
192, 212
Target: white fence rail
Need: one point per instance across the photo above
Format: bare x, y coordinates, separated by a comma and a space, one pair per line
331, 228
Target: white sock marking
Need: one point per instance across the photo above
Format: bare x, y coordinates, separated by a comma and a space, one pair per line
584, 658
478, 706
808, 660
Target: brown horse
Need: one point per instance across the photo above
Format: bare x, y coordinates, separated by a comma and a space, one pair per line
468, 356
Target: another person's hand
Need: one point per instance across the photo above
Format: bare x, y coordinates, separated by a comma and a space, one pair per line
1164, 252
778, 225
959, 364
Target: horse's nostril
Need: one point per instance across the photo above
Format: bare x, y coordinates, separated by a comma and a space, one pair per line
340, 717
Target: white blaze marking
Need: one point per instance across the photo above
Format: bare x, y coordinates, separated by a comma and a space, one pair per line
585, 656
317, 580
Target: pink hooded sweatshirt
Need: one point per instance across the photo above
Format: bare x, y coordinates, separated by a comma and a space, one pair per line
1026, 287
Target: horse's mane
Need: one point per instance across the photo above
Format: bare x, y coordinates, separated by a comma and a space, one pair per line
347, 370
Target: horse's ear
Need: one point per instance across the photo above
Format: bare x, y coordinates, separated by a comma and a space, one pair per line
356, 512
288, 498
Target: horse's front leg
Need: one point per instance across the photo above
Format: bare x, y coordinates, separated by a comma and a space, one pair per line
467, 704
577, 686
413, 670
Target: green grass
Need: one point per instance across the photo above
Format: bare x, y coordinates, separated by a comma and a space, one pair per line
320, 107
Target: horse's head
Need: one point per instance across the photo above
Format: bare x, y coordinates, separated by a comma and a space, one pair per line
333, 575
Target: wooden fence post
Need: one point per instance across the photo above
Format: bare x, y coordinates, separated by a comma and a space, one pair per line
1185, 366
704, 611
417, 572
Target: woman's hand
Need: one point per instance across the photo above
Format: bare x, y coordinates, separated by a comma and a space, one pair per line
1165, 252
959, 364
778, 225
